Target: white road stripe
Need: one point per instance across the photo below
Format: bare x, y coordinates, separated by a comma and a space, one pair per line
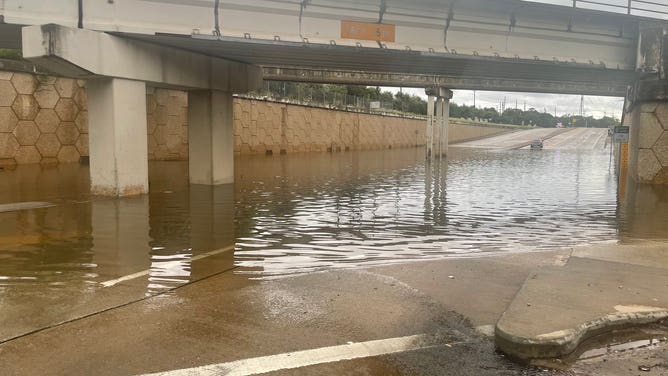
113, 282
298, 359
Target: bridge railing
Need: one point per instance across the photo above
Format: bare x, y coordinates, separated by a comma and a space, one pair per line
644, 8
634, 7
312, 96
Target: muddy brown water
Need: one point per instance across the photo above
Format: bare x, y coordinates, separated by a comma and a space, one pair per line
308, 212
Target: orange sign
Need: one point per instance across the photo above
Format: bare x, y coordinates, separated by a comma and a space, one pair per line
367, 31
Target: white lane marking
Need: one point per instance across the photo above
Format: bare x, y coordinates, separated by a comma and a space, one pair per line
298, 359
142, 273
27, 205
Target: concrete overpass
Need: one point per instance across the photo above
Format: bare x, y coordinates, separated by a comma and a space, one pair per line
214, 48
523, 45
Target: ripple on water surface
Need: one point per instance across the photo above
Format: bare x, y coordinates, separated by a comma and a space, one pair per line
345, 210
305, 212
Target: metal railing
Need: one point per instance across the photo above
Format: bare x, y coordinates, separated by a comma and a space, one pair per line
332, 101
646, 8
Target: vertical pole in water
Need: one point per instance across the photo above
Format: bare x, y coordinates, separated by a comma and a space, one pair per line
430, 126
439, 127
445, 116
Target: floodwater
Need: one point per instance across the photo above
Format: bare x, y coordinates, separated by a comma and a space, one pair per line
308, 212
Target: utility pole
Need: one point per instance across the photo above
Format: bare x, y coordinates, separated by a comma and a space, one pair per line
474, 99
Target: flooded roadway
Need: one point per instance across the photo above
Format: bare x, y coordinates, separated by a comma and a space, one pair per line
300, 213
292, 214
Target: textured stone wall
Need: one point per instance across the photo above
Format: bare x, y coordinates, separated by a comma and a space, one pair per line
263, 126
45, 120
42, 119
648, 145
167, 123
463, 131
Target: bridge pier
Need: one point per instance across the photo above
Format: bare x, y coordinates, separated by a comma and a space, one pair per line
430, 126
438, 121
210, 137
118, 143
117, 71
438, 128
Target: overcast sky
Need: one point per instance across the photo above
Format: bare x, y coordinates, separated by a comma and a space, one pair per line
565, 104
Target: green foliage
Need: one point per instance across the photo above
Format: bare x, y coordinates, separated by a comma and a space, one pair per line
10, 54
528, 117
361, 96
410, 103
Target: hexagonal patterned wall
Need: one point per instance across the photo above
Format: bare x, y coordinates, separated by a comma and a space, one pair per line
36, 119
45, 120
649, 144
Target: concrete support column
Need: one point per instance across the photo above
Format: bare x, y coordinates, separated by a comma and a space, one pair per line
445, 125
439, 126
117, 137
210, 137
430, 126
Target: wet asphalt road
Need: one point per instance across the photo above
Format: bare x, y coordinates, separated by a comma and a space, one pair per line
227, 317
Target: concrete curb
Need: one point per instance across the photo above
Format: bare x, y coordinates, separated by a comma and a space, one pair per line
563, 342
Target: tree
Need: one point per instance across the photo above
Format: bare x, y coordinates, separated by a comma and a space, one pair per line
406, 103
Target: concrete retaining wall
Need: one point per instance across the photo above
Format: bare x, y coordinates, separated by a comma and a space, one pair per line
42, 119
45, 120
465, 131
262, 126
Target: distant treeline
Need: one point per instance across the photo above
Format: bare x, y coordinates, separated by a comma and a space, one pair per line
406, 103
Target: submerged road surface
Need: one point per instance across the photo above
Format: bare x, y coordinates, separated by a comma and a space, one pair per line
513, 140
574, 139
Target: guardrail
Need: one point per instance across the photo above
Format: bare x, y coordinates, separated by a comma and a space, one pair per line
645, 8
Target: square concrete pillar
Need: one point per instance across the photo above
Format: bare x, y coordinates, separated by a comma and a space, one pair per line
439, 127
444, 108
430, 126
210, 137
117, 137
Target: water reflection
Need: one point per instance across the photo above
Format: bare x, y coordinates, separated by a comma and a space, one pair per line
300, 213
642, 212
331, 211
54, 260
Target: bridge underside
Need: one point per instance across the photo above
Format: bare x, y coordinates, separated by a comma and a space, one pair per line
309, 62
341, 77
332, 64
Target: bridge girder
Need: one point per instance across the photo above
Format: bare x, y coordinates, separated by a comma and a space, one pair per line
340, 77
